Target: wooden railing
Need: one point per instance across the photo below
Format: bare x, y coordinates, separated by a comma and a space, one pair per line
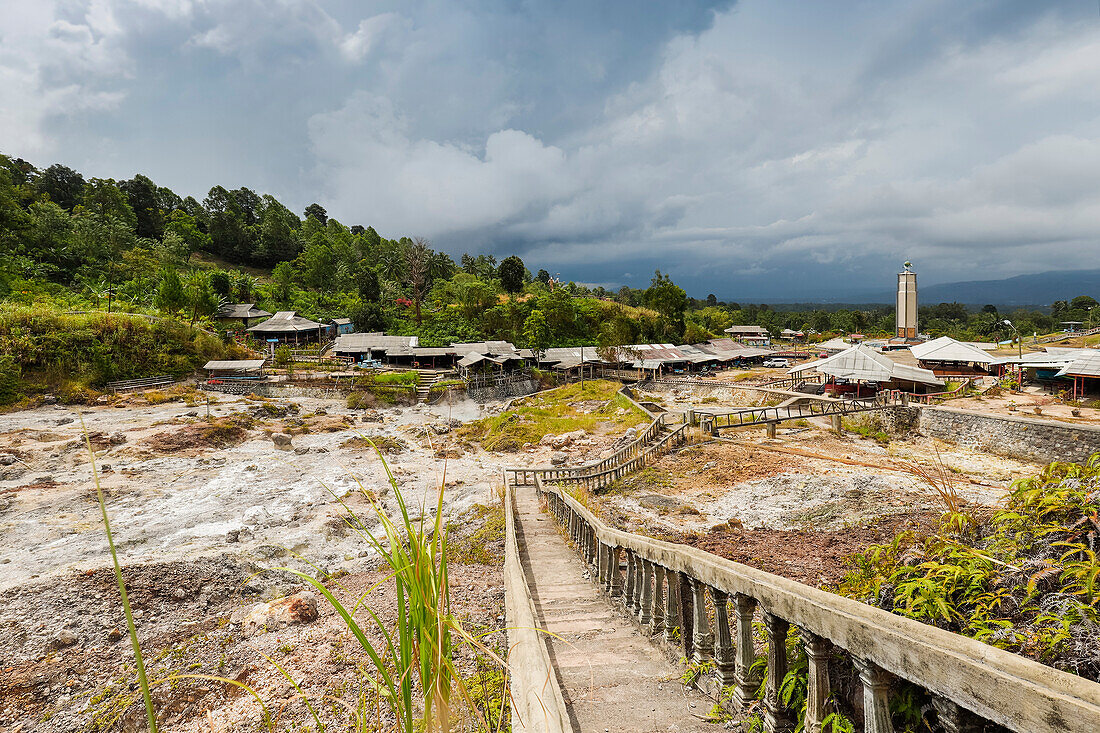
125, 385
934, 397
811, 407
1064, 336
705, 606
628, 454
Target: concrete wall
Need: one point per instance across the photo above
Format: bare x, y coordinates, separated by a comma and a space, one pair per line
1018, 437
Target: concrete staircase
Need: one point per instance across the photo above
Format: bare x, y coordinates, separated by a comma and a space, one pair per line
424, 381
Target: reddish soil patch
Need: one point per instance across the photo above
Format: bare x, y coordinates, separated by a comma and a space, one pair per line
813, 557
216, 434
724, 463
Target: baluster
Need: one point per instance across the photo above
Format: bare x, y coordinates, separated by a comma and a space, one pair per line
658, 624
628, 592
954, 719
645, 615
687, 615
672, 606
601, 565
615, 586
876, 696
639, 580
723, 643
703, 648
817, 683
777, 719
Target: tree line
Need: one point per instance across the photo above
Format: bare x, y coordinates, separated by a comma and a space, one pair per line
99, 243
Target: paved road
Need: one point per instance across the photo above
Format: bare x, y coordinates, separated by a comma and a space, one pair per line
613, 679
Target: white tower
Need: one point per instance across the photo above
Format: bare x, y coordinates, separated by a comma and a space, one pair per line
907, 303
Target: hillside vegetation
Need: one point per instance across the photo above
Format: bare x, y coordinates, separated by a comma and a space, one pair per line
74, 354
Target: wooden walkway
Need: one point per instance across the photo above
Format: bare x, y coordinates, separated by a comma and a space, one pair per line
612, 677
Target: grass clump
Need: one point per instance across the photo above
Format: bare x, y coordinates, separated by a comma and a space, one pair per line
485, 544
595, 407
382, 443
867, 425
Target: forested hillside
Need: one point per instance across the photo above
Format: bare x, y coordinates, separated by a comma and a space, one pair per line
73, 242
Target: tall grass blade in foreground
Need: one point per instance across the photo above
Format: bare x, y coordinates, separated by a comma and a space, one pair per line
142, 680
421, 643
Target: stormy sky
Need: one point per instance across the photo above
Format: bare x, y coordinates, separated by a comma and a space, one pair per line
751, 149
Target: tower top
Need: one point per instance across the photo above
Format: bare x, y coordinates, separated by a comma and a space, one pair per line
908, 266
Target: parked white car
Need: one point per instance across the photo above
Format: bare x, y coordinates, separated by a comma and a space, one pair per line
777, 363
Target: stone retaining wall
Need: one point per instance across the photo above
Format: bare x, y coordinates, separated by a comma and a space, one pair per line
518, 388
1017, 437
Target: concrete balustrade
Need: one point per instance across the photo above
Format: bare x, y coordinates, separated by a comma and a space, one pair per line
667, 586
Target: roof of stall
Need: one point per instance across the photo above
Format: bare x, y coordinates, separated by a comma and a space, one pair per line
864, 364
946, 348
1084, 365
241, 310
286, 322
375, 341
235, 365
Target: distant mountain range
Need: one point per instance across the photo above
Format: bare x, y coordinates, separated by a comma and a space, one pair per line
1040, 289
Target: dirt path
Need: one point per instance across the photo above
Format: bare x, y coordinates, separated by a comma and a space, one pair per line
611, 676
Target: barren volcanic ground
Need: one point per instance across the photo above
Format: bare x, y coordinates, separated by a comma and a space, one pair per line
197, 508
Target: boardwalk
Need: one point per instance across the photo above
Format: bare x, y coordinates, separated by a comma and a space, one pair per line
612, 678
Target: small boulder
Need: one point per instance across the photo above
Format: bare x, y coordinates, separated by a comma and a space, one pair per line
117, 439
300, 608
62, 639
281, 441
7, 459
52, 400
558, 459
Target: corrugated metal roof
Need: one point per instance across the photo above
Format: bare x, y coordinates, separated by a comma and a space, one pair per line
235, 365
241, 310
376, 341
1084, 365
946, 348
286, 322
748, 330
864, 364
484, 347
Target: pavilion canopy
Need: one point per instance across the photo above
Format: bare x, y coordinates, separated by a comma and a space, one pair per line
1086, 364
946, 348
285, 322
241, 310
361, 343
235, 365
861, 363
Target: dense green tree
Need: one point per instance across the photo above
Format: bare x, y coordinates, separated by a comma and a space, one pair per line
282, 281
543, 277
536, 332
170, 296
511, 273
221, 283
62, 184
369, 288
317, 212
142, 195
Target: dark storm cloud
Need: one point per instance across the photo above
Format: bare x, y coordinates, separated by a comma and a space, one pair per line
760, 148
